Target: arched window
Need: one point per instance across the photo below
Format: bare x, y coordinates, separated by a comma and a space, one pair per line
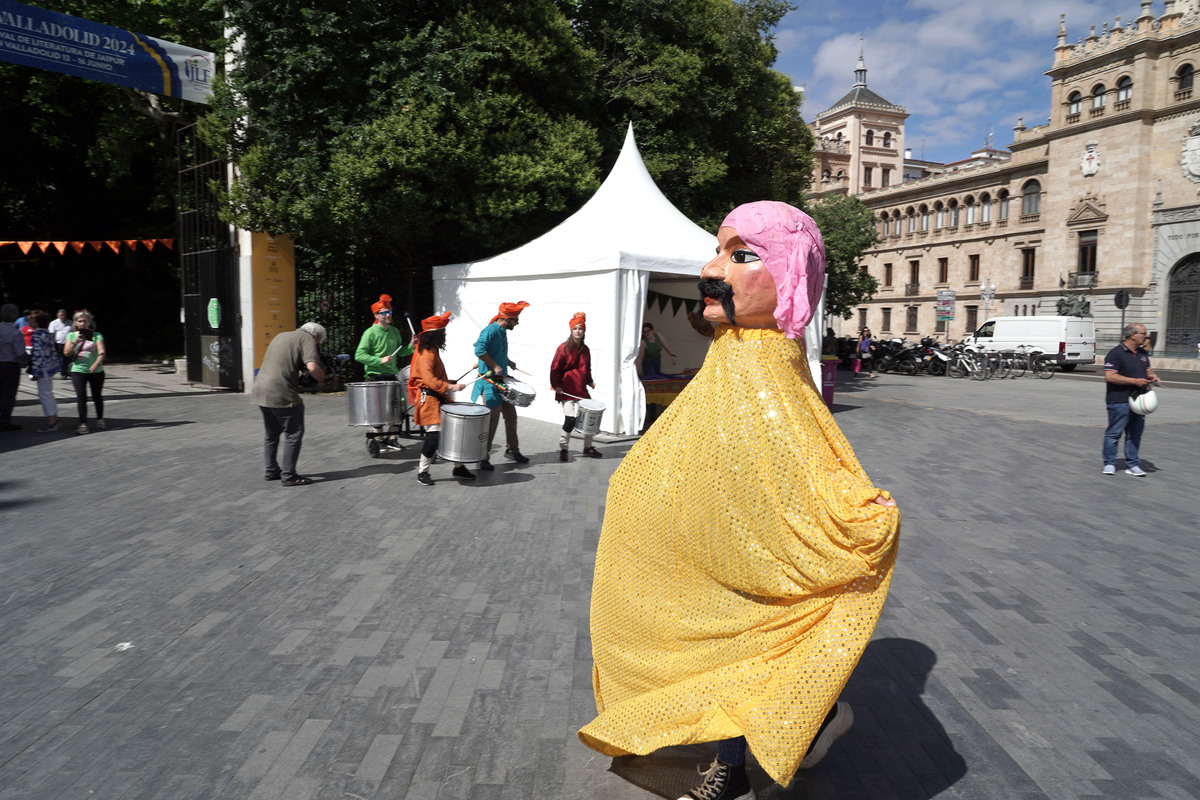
985, 207
841, 176
1074, 102
1003, 204
970, 201
1124, 88
895, 223
1184, 76
825, 175
887, 137
924, 218
953, 213
1098, 95
1031, 198
839, 137
940, 211
870, 138
883, 223
912, 219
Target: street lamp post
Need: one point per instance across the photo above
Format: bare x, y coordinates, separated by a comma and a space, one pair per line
987, 291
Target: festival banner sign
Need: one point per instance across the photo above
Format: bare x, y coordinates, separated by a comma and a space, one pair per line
57, 42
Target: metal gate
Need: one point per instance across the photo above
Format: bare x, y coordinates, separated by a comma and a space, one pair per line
208, 265
1183, 309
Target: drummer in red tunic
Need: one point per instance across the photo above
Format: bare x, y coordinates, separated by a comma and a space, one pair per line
570, 377
428, 388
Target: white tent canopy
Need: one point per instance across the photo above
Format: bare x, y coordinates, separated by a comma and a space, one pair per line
598, 261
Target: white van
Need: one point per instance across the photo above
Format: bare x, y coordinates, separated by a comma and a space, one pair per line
1070, 340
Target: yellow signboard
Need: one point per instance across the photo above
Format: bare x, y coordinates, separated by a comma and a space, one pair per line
273, 275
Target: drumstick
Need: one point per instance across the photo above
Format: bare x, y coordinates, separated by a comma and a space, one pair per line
460, 377
409, 321
577, 397
518, 369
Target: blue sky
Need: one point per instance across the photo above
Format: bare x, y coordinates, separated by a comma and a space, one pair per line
959, 67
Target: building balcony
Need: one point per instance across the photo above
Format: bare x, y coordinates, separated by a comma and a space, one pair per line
1094, 113
1073, 118
1001, 223
1121, 105
1083, 280
912, 289
1028, 218
1026, 282
1183, 94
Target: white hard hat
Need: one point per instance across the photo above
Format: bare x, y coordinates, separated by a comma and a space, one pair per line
1144, 403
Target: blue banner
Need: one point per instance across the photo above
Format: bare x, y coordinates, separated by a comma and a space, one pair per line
57, 42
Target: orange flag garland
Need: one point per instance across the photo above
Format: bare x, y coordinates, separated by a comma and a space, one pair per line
77, 246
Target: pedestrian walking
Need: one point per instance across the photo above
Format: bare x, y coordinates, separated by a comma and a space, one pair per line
277, 394
87, 350
1127, 372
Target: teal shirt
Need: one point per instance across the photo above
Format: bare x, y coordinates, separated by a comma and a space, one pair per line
377, 343
493, 340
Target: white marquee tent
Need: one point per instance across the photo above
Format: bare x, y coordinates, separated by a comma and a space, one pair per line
599, 261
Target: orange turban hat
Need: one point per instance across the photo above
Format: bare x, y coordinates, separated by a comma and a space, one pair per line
436, 322
385, 302
580, 318
510, 310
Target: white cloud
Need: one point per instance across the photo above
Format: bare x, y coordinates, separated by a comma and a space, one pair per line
959, 67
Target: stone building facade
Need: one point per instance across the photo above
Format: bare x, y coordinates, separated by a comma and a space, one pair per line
1102, 198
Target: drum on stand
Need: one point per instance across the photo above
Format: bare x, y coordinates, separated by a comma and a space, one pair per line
375, 403
464, 432
588, 415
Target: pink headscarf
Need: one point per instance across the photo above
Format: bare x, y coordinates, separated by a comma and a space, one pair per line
790, 245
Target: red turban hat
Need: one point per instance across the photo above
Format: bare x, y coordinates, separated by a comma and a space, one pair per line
436, 322
510, 310
580, 318
385, 303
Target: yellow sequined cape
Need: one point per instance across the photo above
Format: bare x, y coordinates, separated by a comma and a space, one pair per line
742, 565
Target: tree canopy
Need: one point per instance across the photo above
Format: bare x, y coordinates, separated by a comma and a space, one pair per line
439, 131
848, 228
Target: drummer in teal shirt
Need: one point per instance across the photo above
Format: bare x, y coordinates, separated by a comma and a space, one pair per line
492, 350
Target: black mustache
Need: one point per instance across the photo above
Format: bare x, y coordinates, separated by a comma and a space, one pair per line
721, 292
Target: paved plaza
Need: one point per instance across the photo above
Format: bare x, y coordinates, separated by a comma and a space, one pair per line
175, 627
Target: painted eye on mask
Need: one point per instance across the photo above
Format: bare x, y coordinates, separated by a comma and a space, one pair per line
744, 256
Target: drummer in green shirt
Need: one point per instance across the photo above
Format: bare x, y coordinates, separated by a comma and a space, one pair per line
380, 347
381, 344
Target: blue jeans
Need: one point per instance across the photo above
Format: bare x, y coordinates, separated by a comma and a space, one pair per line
651, 366
1122, 419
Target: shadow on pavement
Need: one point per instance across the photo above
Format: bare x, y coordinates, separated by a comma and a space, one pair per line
890, 718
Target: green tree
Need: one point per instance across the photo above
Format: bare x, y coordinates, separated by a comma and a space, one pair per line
439, 131
848, 229
717, 126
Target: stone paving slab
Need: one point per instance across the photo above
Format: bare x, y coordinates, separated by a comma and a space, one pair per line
175, 627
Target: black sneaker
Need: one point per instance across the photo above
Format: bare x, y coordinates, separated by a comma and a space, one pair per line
486, 465
424, 479
722, 782
837, 723
562, 455
462, 472
516, 456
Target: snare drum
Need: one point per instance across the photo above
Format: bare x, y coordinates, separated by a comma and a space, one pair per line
588, 416
517, 393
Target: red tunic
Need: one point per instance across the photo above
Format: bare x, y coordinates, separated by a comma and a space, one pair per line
571, 371
426, 372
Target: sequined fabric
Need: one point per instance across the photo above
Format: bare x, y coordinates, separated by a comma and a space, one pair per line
742, 565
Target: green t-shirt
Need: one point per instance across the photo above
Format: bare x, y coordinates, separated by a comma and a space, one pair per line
85, 352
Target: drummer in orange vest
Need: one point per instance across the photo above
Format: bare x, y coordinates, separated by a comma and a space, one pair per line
428, 388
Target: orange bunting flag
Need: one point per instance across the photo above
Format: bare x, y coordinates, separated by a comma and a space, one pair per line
115, 244
43, 246
149, 244
25, 247
78, 246
96, 245
132, 243
4, 243
61, 247
170, 243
